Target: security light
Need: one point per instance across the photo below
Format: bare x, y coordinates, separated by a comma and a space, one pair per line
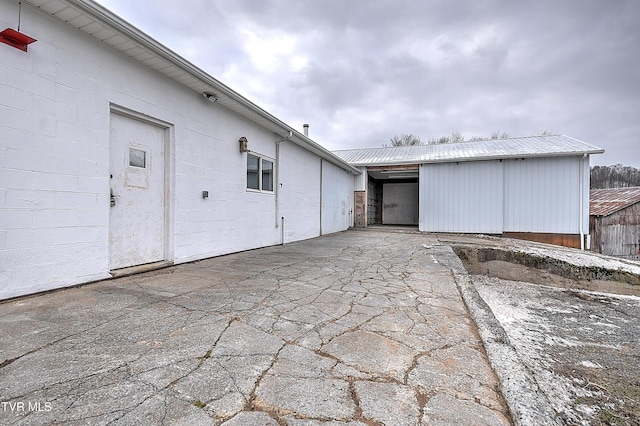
210, 97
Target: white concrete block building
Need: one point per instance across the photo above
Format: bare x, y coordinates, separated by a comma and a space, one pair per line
115, 152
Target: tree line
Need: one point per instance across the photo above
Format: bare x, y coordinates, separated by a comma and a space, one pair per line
455, 137
616, 176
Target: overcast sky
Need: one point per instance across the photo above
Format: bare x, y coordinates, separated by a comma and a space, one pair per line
360, 72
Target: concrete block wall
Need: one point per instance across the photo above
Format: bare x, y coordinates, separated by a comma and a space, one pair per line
55, 103
299, 192
52, 219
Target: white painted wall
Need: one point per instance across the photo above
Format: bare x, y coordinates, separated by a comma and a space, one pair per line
543, 195
55, 102
585, 164
361, 180
337, 199
461, 197
525, 195
299, 195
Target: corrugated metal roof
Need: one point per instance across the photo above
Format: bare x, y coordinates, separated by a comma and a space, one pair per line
603, 202
532, 146
102, 24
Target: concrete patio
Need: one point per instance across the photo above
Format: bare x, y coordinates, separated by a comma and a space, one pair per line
355, 328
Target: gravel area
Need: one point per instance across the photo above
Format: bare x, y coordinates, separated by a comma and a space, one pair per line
581, 346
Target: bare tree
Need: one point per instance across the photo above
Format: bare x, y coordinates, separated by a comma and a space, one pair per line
438, 141
405, 140
455, 137
499, 135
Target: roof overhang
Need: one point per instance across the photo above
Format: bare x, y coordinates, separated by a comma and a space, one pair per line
506, 149
105, 26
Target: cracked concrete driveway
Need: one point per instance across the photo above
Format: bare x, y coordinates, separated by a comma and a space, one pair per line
356, 328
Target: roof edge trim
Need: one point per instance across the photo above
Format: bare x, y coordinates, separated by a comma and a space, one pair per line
480, 158
109, 18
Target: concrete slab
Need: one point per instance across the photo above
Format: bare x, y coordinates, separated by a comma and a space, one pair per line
355, 328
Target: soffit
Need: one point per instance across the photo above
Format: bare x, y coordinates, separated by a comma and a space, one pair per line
101, 24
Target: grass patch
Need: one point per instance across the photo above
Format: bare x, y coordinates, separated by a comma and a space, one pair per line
199, 403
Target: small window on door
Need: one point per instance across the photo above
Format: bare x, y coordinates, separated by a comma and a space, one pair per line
137, 158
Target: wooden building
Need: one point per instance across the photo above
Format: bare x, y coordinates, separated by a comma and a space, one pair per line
614, 221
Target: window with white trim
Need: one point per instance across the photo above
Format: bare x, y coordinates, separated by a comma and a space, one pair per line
259, 173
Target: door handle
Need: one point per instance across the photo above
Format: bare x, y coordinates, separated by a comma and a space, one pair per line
113, 199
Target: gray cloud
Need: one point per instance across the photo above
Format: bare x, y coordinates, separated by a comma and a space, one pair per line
361, 72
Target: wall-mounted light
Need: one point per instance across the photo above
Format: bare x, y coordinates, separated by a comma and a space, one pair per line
210, 97
16, 39
243, 144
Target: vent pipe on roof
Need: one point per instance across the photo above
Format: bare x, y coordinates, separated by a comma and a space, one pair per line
306, 129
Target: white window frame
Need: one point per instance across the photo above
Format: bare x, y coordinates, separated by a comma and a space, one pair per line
260, 172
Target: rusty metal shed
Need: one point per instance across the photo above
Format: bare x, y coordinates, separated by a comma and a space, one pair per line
614, 221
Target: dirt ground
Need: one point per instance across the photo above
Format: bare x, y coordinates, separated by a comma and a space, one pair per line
579, 338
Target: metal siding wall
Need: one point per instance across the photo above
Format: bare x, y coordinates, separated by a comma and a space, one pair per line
360, 181
461, 197
542, 195
586, 176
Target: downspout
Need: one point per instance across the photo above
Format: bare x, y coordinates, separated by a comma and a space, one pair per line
321, 192
277, 181
282, 231
581, 221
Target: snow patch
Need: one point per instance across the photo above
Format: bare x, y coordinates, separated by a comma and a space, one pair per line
590, 364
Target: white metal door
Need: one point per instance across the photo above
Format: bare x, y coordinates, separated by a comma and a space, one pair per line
137, 213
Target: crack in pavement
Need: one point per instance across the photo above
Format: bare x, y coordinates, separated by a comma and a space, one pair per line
347, 327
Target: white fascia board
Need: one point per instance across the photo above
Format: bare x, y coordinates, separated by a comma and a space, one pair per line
468, 159
111, 20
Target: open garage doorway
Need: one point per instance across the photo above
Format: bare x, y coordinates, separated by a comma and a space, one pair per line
392, 195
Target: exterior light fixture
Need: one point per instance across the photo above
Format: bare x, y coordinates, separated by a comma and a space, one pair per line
210, 97
243, 144
16, 39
